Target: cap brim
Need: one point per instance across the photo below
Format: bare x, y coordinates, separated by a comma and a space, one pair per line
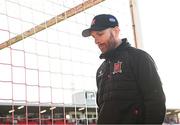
86, 32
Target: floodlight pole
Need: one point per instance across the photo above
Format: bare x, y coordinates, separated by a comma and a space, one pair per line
135, 23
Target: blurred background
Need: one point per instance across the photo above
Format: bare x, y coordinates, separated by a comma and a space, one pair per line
48, 77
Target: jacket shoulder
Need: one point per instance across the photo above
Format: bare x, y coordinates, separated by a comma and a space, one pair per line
136, 53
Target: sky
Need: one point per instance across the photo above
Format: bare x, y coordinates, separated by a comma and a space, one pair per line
159, 29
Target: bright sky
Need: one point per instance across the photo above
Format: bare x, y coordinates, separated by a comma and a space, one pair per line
160, 28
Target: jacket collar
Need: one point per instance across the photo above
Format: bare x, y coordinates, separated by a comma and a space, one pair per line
110, 54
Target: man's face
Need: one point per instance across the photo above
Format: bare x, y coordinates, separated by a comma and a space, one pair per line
104, 39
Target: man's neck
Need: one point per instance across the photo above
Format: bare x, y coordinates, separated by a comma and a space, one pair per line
119, 41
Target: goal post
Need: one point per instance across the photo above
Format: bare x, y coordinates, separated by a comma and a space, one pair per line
69, 13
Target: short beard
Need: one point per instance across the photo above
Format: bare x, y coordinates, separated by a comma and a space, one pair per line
112, 42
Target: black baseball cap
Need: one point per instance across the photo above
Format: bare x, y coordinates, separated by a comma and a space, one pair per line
101, 22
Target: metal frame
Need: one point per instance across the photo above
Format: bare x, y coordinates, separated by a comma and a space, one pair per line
69, 13
135, 23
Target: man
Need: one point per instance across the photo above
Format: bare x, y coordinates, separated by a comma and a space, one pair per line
129, 87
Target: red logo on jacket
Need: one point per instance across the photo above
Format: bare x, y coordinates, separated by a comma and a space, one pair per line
117, 67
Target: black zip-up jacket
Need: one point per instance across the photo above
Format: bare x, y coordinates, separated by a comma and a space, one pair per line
129, 88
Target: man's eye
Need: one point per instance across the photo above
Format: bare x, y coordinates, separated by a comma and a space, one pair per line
100, 34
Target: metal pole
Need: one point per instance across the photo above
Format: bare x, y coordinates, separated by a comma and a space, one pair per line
135, 23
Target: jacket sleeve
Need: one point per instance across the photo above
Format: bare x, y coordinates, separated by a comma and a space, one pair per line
150, 86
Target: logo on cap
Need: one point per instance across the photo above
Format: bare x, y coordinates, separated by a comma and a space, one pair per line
112, 20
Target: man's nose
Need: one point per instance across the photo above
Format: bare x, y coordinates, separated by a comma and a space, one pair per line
97, 41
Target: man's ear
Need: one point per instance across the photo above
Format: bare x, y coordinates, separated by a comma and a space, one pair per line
116, 30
